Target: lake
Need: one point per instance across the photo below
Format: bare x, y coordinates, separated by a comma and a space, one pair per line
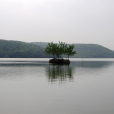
33, 86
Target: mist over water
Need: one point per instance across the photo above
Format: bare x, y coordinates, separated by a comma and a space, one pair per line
31, 86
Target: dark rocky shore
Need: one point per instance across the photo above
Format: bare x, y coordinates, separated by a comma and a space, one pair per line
59, 61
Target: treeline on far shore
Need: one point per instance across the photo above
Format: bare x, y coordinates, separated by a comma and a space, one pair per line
18, 49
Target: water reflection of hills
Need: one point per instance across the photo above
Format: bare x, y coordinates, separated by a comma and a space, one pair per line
54, 73
91, 64
59, 73
66, 73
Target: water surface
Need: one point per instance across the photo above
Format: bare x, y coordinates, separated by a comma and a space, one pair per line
33, 86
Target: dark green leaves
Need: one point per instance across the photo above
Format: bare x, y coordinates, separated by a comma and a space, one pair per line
59, 49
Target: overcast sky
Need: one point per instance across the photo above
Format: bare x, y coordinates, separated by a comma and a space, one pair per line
70, 21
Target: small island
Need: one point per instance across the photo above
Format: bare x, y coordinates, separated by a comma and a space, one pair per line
58, 51
59, 61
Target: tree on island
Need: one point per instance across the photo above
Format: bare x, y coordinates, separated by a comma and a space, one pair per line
69, 50
60, 49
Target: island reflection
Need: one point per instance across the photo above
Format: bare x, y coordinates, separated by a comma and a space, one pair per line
64, 73
59, 73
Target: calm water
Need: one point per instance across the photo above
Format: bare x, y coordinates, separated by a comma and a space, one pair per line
33, 86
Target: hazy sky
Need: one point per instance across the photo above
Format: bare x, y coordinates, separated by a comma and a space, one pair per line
71, 21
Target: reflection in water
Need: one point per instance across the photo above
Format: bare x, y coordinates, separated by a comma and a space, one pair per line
14, 71
64, 73
91, 92
55, 73
91, 64
59, 73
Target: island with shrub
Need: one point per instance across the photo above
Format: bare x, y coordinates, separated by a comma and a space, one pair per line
58, 50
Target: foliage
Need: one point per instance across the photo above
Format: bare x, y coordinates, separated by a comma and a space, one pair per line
69, 50
59, 49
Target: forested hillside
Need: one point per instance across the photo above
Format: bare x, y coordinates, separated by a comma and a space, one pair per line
93, 50
18, 49
87, 50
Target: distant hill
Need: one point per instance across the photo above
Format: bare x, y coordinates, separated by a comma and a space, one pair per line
41, 44
18, 49
93, 51
87, 50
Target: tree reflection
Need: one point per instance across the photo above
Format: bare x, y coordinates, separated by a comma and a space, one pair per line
59, 73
